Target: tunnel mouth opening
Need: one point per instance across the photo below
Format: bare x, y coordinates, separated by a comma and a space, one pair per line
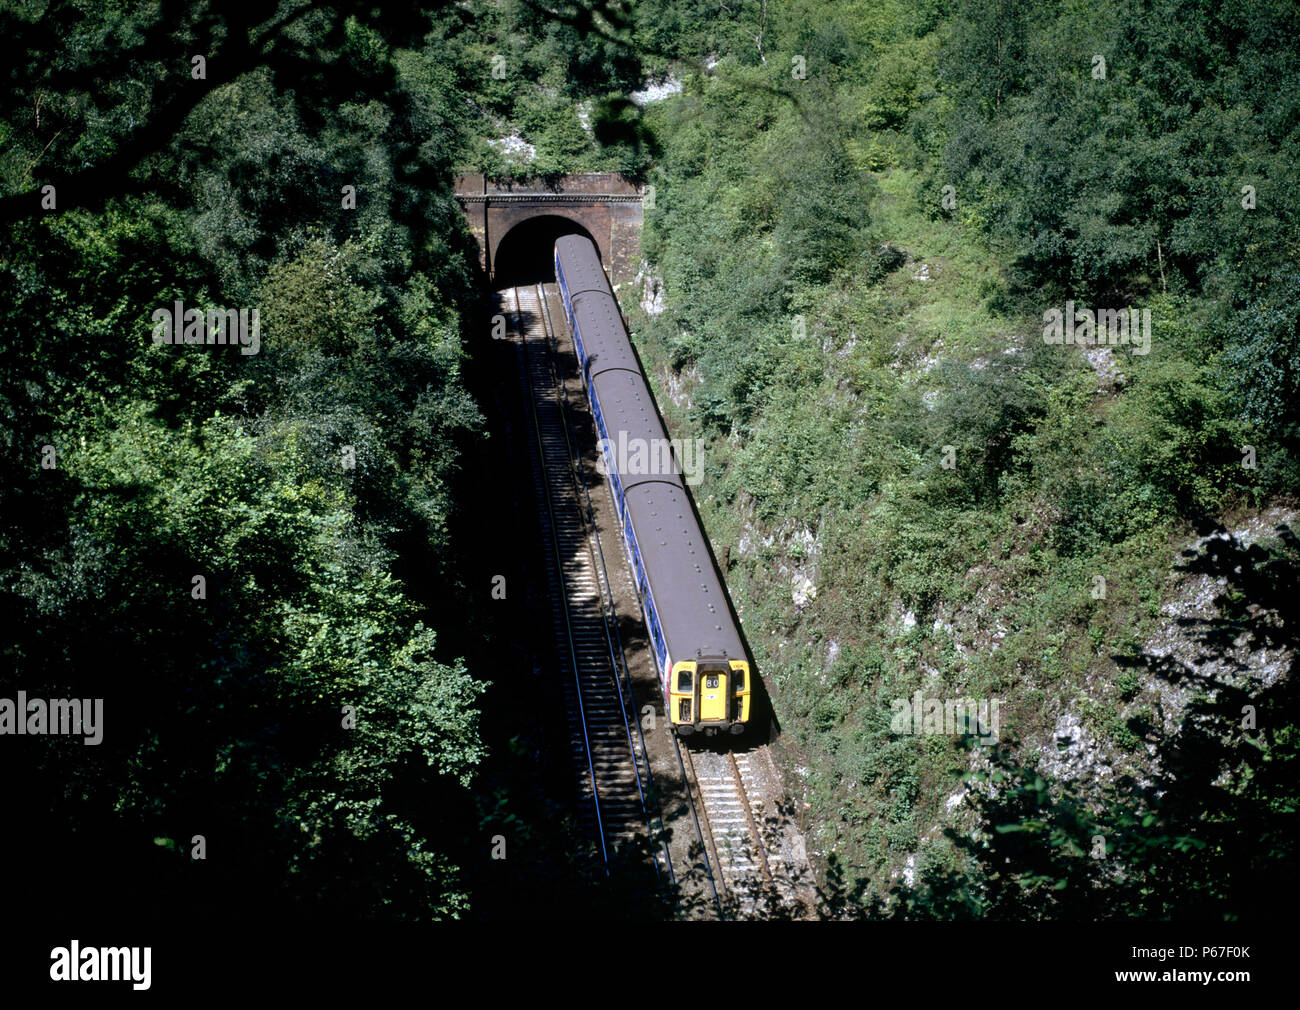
526, 254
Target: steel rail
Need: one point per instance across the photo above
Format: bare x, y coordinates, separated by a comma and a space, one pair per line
559, 565
612, 634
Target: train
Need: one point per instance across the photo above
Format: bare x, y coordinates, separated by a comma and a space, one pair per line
703, 668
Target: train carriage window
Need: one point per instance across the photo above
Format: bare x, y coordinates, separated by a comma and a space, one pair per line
683, 680
738, 676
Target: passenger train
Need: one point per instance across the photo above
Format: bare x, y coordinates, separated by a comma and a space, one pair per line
702, 666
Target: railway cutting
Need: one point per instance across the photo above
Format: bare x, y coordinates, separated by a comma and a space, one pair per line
713, 810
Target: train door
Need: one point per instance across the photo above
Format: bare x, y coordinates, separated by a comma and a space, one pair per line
713, 695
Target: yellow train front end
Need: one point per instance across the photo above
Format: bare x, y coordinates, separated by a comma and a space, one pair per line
709, 696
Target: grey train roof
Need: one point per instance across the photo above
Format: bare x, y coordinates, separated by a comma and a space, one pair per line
582, 269
602, 333
688, 595
627, 406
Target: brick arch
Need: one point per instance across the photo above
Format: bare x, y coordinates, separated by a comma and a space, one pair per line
594, 220
525, 253
607, 206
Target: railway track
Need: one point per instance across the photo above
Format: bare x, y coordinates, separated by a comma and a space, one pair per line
729, 790
736, 863
613, 769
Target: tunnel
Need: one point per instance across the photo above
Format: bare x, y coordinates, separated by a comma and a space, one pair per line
526, 253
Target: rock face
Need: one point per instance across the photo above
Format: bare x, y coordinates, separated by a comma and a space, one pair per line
652, 293
1073, 754
799, 553
803, 591
515, 148
1070, 751
656, 91
1102, 362
1076, 755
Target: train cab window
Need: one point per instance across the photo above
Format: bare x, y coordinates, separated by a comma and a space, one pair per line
683, 680
738, 679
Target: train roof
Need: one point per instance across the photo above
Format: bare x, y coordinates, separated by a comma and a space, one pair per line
603, 337
581, 264
689, 598
688, 595
628, 411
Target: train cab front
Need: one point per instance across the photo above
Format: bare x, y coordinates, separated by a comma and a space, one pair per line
709, 696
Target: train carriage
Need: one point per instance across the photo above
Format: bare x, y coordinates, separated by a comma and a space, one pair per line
697, 647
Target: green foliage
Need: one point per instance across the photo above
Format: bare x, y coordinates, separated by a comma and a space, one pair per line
1212, 838
1115, 184
830, 373
828, 452
225, 709
313, 302
1258, 368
